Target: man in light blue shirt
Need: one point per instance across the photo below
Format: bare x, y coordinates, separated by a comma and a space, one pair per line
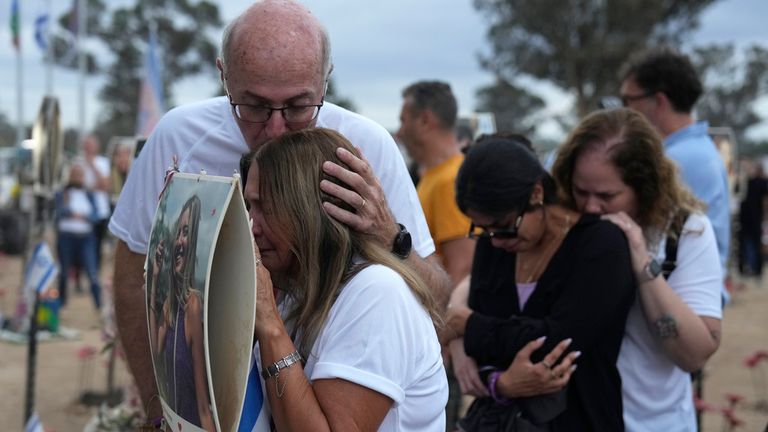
663, 85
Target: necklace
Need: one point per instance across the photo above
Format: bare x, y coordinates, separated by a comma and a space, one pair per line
535, 269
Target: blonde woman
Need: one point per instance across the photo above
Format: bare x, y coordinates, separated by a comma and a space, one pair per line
178, 337
345, 330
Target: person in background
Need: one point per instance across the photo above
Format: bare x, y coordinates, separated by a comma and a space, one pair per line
121, 164
464, 135
613, 164
427, 122
75, 217
541, 270
427, 129
96, 178
663, 85
345, 330
751, 216
274, 66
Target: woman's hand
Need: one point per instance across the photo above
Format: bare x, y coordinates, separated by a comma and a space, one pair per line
158, 259
455, 323
635, 237
268, 321
524, 378
465, 371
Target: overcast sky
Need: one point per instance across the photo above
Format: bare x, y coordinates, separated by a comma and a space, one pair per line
379, 47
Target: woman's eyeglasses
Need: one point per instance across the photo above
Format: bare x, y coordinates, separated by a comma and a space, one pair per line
501, 234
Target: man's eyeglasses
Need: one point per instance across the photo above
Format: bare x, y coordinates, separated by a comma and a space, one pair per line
626, 99
296, 114
501, 234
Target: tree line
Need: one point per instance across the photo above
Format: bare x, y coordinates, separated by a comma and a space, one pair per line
576, 45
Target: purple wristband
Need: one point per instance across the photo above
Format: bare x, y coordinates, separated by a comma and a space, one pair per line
157, 422
492, 379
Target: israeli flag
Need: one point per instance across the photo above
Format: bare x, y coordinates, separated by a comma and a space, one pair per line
151, 99
41, 270
41, 30
33, 424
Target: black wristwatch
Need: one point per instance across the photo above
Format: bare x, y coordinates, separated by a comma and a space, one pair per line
402, 244
651, 271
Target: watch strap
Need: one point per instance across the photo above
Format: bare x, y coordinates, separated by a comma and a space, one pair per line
651, 271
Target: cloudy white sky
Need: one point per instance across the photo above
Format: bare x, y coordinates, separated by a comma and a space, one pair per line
379, 47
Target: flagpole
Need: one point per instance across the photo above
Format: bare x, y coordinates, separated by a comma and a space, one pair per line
82, 22
19, 86
48, 53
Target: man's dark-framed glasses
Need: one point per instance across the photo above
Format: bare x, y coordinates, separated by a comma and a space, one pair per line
501, 234
297, 114
626, 99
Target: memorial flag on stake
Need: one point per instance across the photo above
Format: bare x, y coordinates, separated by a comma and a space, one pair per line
41, 270
34, 424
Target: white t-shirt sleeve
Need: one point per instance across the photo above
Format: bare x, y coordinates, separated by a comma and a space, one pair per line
401, 196
135, 208
377, 335
698, 277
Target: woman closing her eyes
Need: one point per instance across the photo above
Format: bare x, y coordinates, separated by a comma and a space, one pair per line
540, 270
345, 330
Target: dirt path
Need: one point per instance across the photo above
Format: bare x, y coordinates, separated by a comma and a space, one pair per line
62, 377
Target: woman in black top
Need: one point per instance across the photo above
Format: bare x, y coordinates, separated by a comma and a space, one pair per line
540, 270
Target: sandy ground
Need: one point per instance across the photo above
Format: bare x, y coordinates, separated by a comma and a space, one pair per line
62, 377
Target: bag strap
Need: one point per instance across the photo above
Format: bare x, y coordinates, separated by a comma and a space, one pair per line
670, 256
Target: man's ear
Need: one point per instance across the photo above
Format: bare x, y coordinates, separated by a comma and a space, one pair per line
427, 118
537, 195
662, 101
220, 67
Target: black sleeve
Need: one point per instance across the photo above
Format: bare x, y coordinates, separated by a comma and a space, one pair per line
594, 290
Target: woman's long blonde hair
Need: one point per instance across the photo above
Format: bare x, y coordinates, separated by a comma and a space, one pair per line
183, 285
635, 149
290, 171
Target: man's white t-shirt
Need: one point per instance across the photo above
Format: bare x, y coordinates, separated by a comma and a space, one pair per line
379, 336
656, 394
205, 136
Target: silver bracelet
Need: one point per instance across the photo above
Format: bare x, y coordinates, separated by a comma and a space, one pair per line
274, 369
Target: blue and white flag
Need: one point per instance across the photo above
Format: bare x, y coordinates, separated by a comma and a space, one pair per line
41, 30
34, 424
41, 270
151, 100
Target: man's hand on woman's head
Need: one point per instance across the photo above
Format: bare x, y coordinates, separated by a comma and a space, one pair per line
372, 215
524, 378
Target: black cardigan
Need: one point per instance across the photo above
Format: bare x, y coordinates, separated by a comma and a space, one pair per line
585, 293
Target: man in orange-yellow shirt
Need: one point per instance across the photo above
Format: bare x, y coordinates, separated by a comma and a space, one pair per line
427, 129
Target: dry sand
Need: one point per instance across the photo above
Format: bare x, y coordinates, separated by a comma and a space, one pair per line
62, 377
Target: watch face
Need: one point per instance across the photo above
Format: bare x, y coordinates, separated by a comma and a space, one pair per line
654, 268
403, 243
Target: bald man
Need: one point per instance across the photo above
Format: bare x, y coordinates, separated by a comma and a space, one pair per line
275, 64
